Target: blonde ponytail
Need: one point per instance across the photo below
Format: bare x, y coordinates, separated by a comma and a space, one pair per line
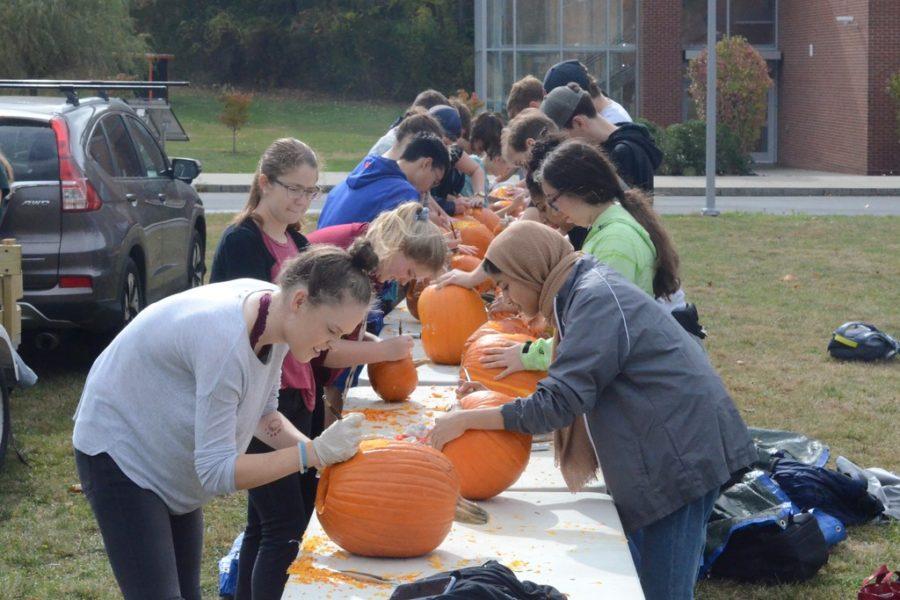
406, 230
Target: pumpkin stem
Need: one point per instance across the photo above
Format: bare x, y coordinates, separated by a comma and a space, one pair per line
419, 362
470, 513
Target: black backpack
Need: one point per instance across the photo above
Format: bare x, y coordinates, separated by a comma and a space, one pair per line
862, 341
793, 549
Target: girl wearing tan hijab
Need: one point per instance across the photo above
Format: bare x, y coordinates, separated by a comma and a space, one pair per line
628, 388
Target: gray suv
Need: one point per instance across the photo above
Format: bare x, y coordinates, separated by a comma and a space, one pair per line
107, 222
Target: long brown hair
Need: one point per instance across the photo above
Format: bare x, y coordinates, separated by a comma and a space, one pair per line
281, 156
580, 169
4, 164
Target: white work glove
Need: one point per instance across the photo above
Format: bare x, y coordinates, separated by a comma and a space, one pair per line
340, 441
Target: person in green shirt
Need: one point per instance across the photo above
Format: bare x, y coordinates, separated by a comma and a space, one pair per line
624, 231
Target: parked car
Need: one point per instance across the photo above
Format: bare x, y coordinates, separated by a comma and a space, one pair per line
107, 222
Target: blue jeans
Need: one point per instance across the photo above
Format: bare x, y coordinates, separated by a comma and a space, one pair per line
667, 552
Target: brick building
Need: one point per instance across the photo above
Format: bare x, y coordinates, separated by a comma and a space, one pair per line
829, 59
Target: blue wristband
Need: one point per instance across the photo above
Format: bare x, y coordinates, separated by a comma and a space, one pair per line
303, 463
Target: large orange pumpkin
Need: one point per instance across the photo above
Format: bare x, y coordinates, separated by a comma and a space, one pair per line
487, 462
518, 384
413, 291
467, 263
393, 500
394, 380
486, 217
449, 315
473, 233
507, 325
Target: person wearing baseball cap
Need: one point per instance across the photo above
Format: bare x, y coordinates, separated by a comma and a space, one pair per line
569, 71
447, 192
629, 146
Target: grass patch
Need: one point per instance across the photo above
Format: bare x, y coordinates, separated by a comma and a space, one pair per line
341, 132
768, 338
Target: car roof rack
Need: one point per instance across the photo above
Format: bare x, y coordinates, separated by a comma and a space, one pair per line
70, 87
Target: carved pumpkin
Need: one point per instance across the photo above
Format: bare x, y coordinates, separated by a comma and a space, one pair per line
412, 297
449, 315
393, 500
394, 380
467, 263
518, 384
487, 462
473, 233
514, 324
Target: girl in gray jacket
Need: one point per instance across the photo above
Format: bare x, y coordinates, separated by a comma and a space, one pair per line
628, 389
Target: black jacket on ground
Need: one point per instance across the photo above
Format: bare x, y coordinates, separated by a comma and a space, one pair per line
242, 253
635, 155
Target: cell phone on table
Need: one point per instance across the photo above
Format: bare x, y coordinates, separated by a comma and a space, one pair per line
421, 590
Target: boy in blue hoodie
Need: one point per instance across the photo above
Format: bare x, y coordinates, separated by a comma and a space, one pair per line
379, 184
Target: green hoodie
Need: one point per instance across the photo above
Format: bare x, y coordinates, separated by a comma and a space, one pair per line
618, 240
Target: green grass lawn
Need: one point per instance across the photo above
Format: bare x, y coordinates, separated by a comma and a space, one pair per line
768, 338
339, 131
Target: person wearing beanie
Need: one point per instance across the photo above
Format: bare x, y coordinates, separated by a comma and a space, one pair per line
447, 192
629, 145
573, 71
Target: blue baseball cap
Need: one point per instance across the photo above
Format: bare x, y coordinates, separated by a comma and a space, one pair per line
448, 117
565, 72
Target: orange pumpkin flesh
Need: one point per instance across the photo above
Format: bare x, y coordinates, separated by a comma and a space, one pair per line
449, 315
392, 500
518, 384
394, 380
488, 462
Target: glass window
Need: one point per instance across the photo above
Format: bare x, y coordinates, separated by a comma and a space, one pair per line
499, 24
584, 22
30, 149
754, 20
499, 77
623, 79
693, 22
536, 63
98, 149
149, 152
623, 21
537, 22
126, 160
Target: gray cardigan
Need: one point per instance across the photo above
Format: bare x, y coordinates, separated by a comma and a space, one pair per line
662, 424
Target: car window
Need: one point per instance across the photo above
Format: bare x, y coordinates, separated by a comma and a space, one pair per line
150, 154
126, 159
30, 149
98, 149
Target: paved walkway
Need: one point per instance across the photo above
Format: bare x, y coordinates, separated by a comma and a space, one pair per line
771, 181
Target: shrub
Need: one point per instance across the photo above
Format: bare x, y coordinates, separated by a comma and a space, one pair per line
684, 149
742, 82
235, 113
472, 101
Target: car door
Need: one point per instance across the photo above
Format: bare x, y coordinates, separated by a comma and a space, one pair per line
143, 194
175, 222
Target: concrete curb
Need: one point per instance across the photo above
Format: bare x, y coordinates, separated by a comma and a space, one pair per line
660, 191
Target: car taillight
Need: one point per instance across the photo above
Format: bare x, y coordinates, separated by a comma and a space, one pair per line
78, 195
71, 281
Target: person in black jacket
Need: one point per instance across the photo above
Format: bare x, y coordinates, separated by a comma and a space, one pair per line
261, 239
628, 145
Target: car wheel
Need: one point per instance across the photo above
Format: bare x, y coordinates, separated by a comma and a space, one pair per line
132, 298
5, 428
196, 261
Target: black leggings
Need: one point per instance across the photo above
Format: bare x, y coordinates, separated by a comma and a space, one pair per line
154, 554
278, 512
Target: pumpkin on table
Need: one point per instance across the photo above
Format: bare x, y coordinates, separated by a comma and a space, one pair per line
486, 217
473, 233
394, 380
518, 384
449, 315
413, 291
467, 263
391, 500
488, 462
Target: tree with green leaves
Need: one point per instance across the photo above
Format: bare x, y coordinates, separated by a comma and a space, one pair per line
235, 113
60, 38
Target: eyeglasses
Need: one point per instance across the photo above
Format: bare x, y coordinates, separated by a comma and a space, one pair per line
300, 191
551, 200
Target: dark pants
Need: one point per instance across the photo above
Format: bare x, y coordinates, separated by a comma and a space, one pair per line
277, 513
153, 553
